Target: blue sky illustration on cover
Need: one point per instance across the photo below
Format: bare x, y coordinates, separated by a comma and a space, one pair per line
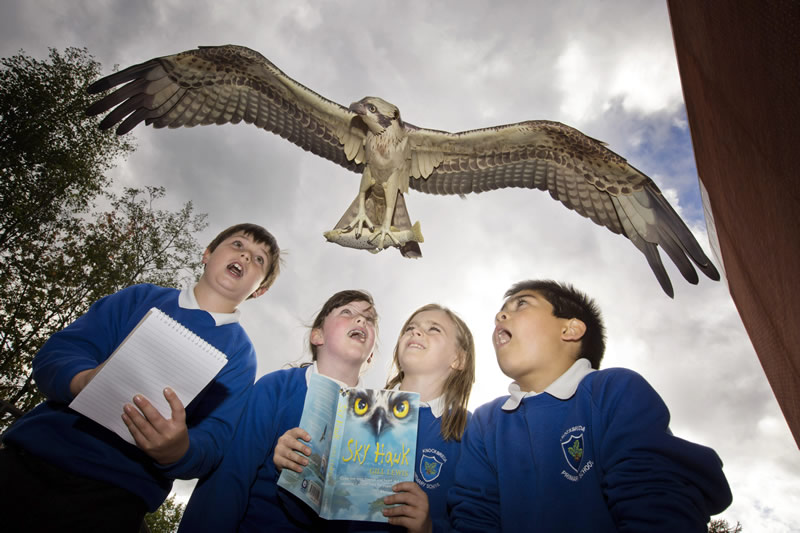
378, 450
318, 420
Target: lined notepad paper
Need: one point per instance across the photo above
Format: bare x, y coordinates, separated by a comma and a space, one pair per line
158, 353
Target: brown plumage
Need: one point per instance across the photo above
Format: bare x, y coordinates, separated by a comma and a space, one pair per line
230, 84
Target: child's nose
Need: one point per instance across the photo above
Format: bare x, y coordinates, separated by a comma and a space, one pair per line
500, 316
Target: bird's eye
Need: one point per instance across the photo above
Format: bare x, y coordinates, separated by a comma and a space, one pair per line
401, 409
360, 406
372, 108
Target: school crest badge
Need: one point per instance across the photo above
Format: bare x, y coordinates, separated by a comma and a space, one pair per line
573, 450
429, 467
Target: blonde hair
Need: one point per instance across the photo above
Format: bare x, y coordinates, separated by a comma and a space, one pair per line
458, 385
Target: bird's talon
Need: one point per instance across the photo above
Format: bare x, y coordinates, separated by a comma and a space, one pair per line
380, 236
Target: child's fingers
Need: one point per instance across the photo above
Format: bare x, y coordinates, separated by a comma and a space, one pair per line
414, 519
175, 405
299, 433
290, 452
403, 498
408, 493
289, 440
137, 424
410, 507
408, 486
149, 411
135, 433
282, 462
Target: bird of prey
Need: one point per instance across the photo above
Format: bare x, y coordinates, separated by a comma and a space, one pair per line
230, 84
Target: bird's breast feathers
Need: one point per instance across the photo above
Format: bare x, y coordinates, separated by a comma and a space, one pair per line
385, 151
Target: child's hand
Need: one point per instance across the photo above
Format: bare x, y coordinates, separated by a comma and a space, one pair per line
164, 440
288, 448
414, 511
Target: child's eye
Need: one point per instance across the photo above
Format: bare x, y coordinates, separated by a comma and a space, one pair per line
237, 244
434, 328
260, 260
408, 328
346, 311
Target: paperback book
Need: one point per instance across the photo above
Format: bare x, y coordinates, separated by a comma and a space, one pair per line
363, 441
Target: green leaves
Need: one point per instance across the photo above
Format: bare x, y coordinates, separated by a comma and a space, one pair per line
576, 451
58, 252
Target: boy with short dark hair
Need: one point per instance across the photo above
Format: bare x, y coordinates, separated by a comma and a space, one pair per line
573, 448
64, 472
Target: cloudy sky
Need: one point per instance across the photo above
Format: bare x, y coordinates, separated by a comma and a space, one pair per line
607, 68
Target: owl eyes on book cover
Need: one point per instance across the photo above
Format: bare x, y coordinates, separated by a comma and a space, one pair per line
371, 447
377, 450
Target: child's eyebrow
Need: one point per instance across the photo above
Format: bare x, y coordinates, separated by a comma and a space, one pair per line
263, 249
517, 297
368, 312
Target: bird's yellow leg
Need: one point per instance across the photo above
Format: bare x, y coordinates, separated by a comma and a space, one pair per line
361, 219
390, 189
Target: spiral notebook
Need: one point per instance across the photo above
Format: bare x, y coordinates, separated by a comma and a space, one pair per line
159, 352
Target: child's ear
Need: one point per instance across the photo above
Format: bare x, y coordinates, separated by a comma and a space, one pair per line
317, 338
458, 363
259, 292
205, 256
573, 330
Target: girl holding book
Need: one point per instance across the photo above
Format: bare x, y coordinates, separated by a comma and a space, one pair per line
242, 493
434, 356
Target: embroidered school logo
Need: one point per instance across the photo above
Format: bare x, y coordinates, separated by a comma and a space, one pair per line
573, 450
429, 467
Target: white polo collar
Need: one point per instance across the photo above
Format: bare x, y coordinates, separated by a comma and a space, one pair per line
312, 369
562, 388
187, 300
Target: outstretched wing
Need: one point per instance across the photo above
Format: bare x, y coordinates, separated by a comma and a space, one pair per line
228, 84
576, 170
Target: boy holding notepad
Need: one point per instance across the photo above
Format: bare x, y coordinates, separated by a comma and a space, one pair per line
69, 473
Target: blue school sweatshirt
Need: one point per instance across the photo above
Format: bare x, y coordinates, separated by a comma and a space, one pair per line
54, 432
603, 460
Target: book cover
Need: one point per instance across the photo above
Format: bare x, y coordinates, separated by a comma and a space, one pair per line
363, 441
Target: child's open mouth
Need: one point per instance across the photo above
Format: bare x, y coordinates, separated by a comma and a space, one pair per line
236, 269
501, 336
358, 334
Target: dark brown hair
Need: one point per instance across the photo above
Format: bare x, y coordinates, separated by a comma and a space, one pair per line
569, 302
261, 236
338, 300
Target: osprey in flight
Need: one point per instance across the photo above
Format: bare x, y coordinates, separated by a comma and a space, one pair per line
222, 84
